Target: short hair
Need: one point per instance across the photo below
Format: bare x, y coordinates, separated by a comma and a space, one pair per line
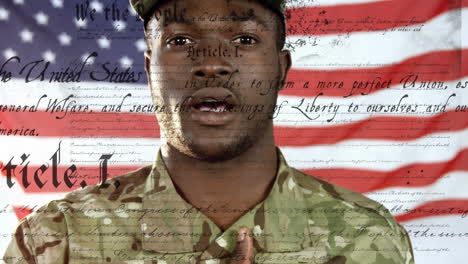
281, 33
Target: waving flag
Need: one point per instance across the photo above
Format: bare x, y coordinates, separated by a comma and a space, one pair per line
376, 101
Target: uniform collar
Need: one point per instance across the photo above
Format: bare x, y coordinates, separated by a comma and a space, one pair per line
171, 225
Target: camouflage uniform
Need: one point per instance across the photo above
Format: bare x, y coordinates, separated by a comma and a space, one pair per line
144, 220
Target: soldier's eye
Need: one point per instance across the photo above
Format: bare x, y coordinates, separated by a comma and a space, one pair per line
245, 40
180, 41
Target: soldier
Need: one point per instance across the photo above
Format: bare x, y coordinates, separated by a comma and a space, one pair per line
220, 191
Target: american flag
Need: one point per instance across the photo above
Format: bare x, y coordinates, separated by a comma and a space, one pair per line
402, 142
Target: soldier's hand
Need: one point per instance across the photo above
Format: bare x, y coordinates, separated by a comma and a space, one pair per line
243, 254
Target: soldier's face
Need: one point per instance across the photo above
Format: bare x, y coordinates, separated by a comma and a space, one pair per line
216, 68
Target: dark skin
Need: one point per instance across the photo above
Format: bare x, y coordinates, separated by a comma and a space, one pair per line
230, 162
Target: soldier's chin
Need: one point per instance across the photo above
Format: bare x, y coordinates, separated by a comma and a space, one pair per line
222, 151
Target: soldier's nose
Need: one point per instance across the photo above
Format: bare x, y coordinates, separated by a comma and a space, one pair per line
212, 70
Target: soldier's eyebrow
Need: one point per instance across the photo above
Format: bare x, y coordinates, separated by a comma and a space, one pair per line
253, 20
253, 17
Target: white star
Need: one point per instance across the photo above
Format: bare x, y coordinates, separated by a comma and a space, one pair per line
26, 35
8, 53
126, 62
85, 56
4, 14
41, 18
49, 56
18, 2
97, 5
64, 39
80, 23
141, 45
132, 11
57, 3
119, 25
103, 42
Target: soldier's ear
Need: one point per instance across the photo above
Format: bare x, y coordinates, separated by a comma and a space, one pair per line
148, 73
284, 64
148, 66
147, 62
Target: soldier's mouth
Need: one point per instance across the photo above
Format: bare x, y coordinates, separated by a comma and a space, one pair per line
213, 106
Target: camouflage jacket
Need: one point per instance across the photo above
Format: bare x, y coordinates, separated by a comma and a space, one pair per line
144, 220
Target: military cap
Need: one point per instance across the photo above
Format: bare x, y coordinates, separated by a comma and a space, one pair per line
144, 7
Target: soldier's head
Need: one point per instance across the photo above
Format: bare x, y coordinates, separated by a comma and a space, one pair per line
216, 66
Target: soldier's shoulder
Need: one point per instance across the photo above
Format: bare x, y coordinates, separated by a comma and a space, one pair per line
114, 189
120, 189
338, 196
352, 218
